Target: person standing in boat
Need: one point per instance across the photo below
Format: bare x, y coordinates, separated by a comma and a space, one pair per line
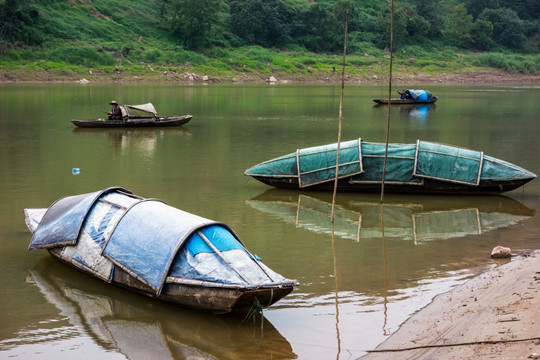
116, 112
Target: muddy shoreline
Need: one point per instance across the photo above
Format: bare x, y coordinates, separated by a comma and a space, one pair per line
477, 77
492, 316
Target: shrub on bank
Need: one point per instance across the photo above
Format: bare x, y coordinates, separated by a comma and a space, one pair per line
527, 64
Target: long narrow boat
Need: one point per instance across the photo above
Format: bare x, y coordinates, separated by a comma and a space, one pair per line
152, 248
423, 167
405, 101
134, 122
144, 115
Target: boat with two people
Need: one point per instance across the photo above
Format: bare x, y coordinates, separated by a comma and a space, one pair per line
423, 167
154, 249
144, 115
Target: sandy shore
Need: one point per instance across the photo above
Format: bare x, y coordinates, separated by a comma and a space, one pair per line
495, 315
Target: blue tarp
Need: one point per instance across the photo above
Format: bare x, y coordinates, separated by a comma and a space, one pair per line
418, 95
148, 237
62, 222
220, 237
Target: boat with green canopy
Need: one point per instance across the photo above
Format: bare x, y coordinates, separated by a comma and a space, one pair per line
421, 167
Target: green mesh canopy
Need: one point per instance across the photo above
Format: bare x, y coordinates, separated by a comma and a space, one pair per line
318, 164
399, 164
406, 164
314, 165
448, 163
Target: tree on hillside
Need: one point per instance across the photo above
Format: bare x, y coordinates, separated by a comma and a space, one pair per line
317, 32
261, 22
508, 29
481, 34
433, 13
192, 21
16, 19
525, 9
458, 27
475, 7
409, 27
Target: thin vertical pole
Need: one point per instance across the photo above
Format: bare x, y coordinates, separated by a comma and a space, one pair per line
389, 97
338, 337
340, 115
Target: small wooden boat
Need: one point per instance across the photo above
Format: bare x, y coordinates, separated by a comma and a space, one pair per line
152, 248
134, 122
144, 115
424, 167
405, 101
410, 96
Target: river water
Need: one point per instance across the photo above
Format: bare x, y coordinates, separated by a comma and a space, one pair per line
358, 283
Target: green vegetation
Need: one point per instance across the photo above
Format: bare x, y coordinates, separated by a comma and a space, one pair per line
298, 38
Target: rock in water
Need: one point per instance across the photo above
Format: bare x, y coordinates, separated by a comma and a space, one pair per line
501, 252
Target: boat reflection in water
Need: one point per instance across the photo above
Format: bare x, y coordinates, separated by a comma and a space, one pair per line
418, 112
377, 265
418, 219
139, 328
142, 140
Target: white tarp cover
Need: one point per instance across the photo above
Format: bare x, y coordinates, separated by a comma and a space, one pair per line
147, 108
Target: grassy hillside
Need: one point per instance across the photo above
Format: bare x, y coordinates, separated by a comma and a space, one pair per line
129, 39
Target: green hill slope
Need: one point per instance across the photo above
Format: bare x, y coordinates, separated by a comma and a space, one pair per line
63, 39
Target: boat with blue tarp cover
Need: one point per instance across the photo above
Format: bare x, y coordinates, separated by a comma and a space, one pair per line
422, 167
152, 248
410, 96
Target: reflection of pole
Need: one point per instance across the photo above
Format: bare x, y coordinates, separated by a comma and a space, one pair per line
384, 267
340, 114
389, 97
337, 296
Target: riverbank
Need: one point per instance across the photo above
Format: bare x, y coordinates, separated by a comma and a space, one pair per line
476, 76
492, 316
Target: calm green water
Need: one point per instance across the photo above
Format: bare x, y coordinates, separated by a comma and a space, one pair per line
356, 286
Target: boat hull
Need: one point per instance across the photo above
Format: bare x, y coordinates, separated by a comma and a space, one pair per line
405, 101
151, 248
425, 167
429, 186
218, 300
134, 122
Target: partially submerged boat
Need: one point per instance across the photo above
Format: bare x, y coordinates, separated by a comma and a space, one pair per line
423, 167
152, 248
144, 115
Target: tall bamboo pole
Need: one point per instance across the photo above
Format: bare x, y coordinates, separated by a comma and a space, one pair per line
340, 114
389, 98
